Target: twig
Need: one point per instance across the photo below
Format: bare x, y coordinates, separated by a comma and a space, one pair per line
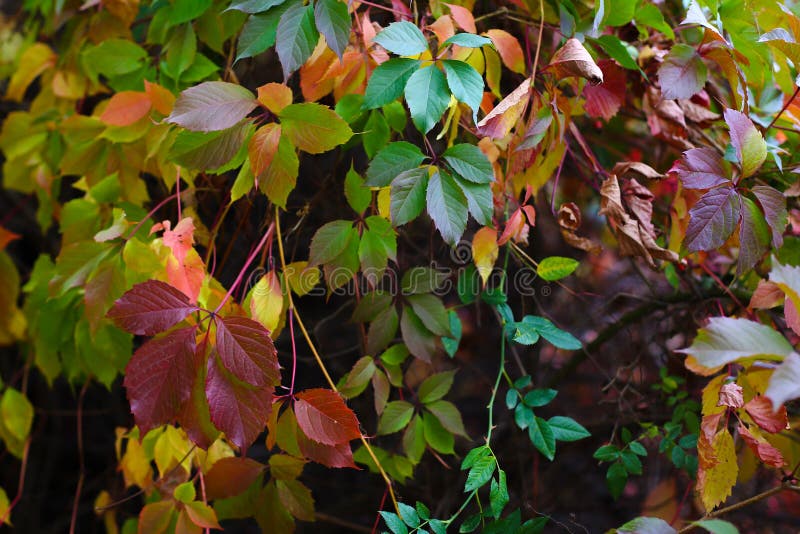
784, 108
74, 520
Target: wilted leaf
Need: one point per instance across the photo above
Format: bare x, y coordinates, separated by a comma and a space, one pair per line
573, 59
498, 122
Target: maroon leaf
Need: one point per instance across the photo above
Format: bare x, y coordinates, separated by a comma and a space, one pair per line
760, 409
237, 409
753, 236
246, 350
231, 476
683, 73
605, 99
159, 376
773, 202
324, 417
701, 168
328, 455
714, 217
150, 307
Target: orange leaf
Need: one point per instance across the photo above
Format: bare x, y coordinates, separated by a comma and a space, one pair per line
160, 97
275, 97
509, 49
323, 416
761, 448
263, 146
515, 229
155, 517
485, 251
202, 515
505, 115
767, 295
6, 237
443, 28
126, 108
231, 476
760, 409
463, 18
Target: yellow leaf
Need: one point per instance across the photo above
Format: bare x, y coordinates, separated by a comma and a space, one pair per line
109, 515
171, 447
4, 512
383, 203
485, 251
218, 450
715, 484
300, 278
266, 301
34, 61
711, 396
135, 466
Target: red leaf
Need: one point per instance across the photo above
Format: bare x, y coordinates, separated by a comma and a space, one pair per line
760, 409
236, 408
328, 455
764, 450
605, 99
159, 376
149, 308
324, 417
713, 219
701, 168
125, 108
232, 476
246, 350
463, 18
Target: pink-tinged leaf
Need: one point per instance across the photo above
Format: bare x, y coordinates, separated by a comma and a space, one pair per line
263, 146
683, 73
713, 219
337, 456
763, 449
605, 99
505, 115
237, 409
767, 295
773, 202
246, 350
179, 240
573, 59
149, 308
760, 409
747, 140
753, 236
202, 515
324, 417
791, 316
155, 517
463, 18
125, 108
231, 476
731, 395
509, 49
212, 106
701, 168
185, 269
159, 377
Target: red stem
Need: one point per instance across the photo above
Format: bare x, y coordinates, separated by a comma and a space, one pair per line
150, 214
247, 263
294, 349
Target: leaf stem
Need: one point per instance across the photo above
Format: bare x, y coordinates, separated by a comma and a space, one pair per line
784, 108
247, 263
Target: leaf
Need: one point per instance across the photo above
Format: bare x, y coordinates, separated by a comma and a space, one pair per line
468, 161
357, 195
285, 467
465, 83
713, 219
336, 456
296, 37
771, 419
263, 146
751, 149
763, 450
32, 62
730, 394
275, 96
155, 517
314, 128
17, 413
280, 177
447, 206
646, 525
573, 59
485, 251
323, 416
159, 378
150, 307
258, 33
725, 340
480, 473
605, 99
395, 417
539, 397
701, 168
553, 334
358, 378
125, 108
232, 476
238, 410
683, 73
498, 494
388, 81
427, 97
716, 483
469, 40
419, 340
615, 48
556, 267
297, 499
542, 437
212, 106
717, 526
448, 415
431, 312
567, 429
253, 6
407, 198
435, 387
382, 330
773, 203
246, 350
391, 161
479, 200
333, 22
330, 241
395, 524
402, 38
202, 515
498, 122
209, 151
784, 384
754, 236
509, 49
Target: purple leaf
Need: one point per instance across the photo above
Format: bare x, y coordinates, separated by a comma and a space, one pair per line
774, 205
701, 168
246, 350
753, 236
212, 106
683, 73
714, 217
150, 307
750, 146
159, 377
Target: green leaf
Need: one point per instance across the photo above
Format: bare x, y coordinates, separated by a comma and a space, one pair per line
642, 525
469, 40
395, 417
396, 158
395, 115
254, 6
448, 415
498, 494
567, 429
523, 416
357, 195
480, 473
388, 80
632, 463
330, 241
553, 334
394, 523
650, 15
407, 197
751, 149
408, 514
395, 355
431, 312
637, 448
281, 176
556, 268
438, 526
113, 57
469, 162
402, 38
376, 133
209, 151
382, 330
542, 437
616, 478
333, 21
354, 382
479, 199
606, 453
451, 342
717, 526
473, 456
465, 83
314, 128
470, 523
512, 398
414, 439
258, 33
427, 96
435, 387
17, 413
185, 492
726, 339
615, 48
436, 435
539, 397
181, 50
447, 206
296, 37
423, 511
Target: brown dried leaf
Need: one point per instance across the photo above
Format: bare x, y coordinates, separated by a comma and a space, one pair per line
573, 59
767, 295
697, 113
731, 395
505, 115
569, 219
623, 168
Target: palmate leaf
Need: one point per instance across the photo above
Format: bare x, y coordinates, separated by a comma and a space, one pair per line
323, 416
713, 219
447, 206
212, 106
427, 97
150, 307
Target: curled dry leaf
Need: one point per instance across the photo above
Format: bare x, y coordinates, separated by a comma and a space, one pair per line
505, 115
573, 59
569, 219
637, 168
731, 395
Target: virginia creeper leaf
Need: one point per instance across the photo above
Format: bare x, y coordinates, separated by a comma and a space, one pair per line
246, 350
296, 37
391, 161
683, 73
150, 307
469, 162
713, 219
427, 97
333, 22
465, 83
314, 128
402, 38
323, 416
212, 106
447, 206
387, 82
408, 195
751, 149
